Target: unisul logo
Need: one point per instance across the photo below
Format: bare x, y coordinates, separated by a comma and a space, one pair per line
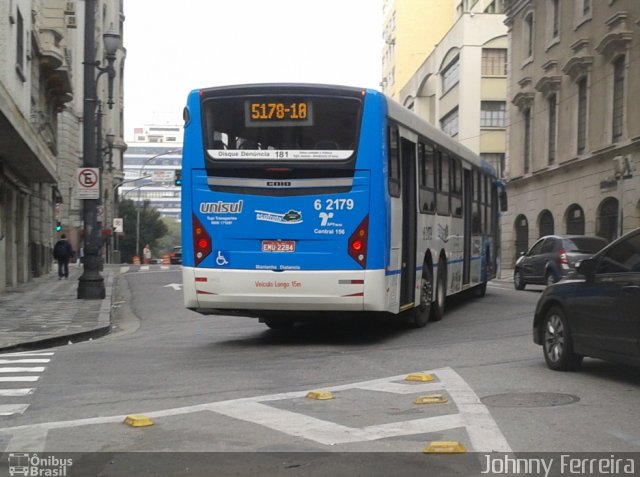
22, 463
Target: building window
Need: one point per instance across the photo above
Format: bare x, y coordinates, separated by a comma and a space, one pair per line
586, 7
522, 235
496, 159
493, 114
618, 99
450, 76
607, 222
575, 220
494, 62
20, 43
528, 35
545, 223
553, 121
582, 115
527, 140
449, 123
555, 18
496, 6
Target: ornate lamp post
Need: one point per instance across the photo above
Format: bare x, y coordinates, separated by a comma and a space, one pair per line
91, 283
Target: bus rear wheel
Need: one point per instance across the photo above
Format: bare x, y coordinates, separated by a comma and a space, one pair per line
437, 308
422, 312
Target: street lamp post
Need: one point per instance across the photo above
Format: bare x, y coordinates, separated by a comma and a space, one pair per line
91, 283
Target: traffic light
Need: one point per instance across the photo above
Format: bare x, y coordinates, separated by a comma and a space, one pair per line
58, 226
177, 177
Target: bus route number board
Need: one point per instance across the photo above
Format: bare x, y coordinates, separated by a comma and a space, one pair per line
278, 246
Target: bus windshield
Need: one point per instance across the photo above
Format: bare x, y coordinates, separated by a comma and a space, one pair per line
281, 127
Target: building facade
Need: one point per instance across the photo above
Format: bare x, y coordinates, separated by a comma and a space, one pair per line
150, 165
462, 85
574, 130
41, 94
411, 29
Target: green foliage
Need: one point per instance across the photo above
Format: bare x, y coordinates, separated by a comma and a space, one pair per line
171, 238
152, 229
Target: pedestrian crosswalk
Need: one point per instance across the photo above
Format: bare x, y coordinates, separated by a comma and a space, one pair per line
18, 370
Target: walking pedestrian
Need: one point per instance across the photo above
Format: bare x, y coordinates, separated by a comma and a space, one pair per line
146, 253
62, 252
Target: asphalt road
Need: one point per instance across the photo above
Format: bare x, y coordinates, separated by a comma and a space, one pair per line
230, 384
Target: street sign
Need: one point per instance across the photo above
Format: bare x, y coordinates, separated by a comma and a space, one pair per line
88, 183
118, 225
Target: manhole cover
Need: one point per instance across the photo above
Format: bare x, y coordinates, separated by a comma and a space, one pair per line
529, 399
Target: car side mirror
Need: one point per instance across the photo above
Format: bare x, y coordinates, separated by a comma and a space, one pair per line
586, 267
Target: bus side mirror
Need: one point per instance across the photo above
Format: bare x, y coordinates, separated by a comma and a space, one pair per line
503, 200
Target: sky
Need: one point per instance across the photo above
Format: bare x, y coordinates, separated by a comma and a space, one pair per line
175, 47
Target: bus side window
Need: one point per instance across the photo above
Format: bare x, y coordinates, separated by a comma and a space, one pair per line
479, 196
427, 189
394, 161
475, 207
442, 183
456, 187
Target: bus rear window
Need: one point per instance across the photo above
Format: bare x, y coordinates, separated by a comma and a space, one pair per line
281, 128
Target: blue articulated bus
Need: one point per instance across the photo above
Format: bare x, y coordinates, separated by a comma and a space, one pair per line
314, 198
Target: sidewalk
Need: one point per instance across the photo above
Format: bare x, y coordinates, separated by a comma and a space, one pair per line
46, 312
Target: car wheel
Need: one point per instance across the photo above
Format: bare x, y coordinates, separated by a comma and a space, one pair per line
437, 308
518, 280
557, 344
421, 313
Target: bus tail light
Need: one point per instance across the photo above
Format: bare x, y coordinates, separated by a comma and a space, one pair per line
201, 241
358, 243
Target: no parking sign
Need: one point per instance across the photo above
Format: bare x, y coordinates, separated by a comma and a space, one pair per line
88, 183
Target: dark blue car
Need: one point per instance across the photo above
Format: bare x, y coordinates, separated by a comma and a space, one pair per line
595, 311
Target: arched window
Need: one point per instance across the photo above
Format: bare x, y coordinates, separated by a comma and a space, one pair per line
545, 223
522, 235
607, 220
575, 220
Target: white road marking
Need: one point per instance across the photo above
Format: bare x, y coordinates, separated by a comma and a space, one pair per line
37, 369
22, 354
175, 286
16, 392
22, 361
124, 269
10, 379
144, 268
484, 433
9, 409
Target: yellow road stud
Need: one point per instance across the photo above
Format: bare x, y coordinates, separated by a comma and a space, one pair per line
444, 447
421, 377
138, 420
431, 399
320, 395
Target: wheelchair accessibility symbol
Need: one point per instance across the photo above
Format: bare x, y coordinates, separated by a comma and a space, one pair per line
221, 260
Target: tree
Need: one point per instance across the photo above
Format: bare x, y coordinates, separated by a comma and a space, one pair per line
152, 228
172, 238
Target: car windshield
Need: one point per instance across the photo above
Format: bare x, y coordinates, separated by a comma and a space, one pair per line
584, 244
